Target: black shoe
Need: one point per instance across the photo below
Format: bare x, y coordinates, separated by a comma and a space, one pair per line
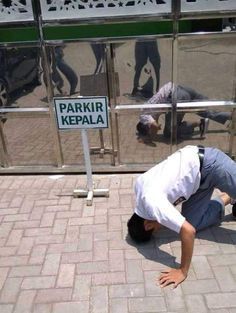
234, 210
204, 123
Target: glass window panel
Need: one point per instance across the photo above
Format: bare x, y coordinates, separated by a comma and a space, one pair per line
208, 66
21, 78
29, 141
142, 67
73, 149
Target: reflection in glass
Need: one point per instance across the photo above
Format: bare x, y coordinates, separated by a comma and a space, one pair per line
19, 74
208, 65
143, 66
61, 71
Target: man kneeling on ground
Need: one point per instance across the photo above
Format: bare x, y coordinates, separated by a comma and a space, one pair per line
189, 176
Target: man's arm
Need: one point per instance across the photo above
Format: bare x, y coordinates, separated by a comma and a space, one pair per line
176, 276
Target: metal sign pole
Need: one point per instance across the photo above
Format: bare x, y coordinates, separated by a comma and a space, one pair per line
83, 113
90, 192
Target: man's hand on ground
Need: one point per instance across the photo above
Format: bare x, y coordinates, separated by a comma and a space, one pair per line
171, 276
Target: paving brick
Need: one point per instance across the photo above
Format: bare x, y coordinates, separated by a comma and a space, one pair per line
66, 275
174, 299
26, 206
225, 278
101, 219
118, 244
40, 282
152, 287
200, 286
116, 260
92, 267
114, 223
77, 221
119, 305
68, 215
112, 235
93, 228
45, 202
126, 200
77, 257
81, 291
25, 301
57, 208
108, 278
147, 304
71, 307
39, 231
88, 212
76, 204
59, 226
221, 300
201, 267
37, 213
223, 260
100, 251
7, 251
134, 271
6, 308
53, 295
196, 304
38, 254
205, 249
51, 264
133, 255
5, 229
26, 246
8, 211
4, 203
62, 247
3, 275
126, 182
42, 308
227, 248
85, 242
99, 299
126, 291
49, 239
13, 260
150, 265
47, 219
14, 237
25, 225
16, 217
72, 234
221, 311
10, 290
16, 201
23, 271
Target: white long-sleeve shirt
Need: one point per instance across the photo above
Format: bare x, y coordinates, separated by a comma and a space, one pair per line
165, 185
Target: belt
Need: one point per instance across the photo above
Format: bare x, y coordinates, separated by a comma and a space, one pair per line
201, 151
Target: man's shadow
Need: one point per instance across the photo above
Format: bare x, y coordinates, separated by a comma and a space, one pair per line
152, 250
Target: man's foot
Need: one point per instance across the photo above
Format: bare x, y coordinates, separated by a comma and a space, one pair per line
234, 210
233, 202
204, 123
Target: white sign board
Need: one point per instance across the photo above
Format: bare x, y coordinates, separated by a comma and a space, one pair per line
81, 112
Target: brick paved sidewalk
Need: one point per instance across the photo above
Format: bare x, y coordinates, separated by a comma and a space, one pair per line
59, 255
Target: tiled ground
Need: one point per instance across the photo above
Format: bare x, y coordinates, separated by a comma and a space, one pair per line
58, 255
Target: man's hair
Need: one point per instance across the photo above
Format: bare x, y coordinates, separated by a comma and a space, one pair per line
136, 229
142, 129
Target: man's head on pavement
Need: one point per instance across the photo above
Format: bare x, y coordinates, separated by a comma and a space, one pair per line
140, 229
143, 129
148, 129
